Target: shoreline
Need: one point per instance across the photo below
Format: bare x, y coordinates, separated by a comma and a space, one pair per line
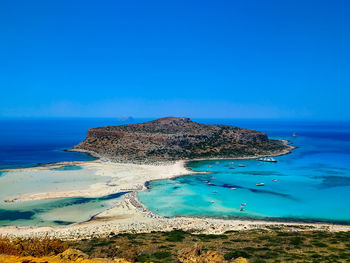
98, 156
130, 215
103, 159
281, 153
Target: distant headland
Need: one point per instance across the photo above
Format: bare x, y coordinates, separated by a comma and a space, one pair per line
173, 138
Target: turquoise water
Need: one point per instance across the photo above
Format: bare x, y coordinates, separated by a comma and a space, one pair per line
54, 212
68, 168
15, 183
313, 182
50, 212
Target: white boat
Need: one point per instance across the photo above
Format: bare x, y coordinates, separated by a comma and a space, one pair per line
260, 184
241, 165
268, 159
274, 180
232, 188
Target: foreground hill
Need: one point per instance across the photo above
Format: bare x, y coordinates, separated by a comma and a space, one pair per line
273, 244
174, 138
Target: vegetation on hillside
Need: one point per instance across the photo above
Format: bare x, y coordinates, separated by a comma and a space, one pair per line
258, 246
178, 138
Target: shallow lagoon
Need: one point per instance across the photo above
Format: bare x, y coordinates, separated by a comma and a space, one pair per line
15, 183
50, 212
313, 183
55, 212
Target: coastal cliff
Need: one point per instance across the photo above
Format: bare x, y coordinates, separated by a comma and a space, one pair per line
174, 138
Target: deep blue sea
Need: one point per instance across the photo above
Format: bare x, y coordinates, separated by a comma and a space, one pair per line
30, 142
310, 184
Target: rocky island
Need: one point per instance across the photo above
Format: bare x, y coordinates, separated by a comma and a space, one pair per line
173, 138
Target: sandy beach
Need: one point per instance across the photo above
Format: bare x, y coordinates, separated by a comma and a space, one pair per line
129, 214
120, 177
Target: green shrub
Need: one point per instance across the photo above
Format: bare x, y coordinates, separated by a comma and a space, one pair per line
161, 254
236, 254
175, 235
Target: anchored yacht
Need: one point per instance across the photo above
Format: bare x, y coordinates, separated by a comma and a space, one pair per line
268, 159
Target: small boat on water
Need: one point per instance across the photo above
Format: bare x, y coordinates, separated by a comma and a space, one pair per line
274, 180
241, 165
243, 204
260, 184
212, 202
210, 184
242, 209
232, 188
209, 166
231, 167
294, 134
268, 159
215, 192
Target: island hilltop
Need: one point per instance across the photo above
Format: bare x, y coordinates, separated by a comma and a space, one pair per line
173, 138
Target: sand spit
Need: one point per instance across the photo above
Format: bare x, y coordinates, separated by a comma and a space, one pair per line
120, 177
129, 214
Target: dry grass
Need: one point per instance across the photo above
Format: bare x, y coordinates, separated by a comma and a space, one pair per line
31, 247
272, 245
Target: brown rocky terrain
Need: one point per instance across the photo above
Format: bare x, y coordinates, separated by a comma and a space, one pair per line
174, 138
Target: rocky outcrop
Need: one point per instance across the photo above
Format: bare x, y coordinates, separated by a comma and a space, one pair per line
174, 138
191, 255
197, 255
68, 256
72, 254
240, 260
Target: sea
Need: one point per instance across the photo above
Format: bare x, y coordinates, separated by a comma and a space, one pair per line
311, 184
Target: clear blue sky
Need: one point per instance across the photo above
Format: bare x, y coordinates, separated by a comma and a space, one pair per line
229, 59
